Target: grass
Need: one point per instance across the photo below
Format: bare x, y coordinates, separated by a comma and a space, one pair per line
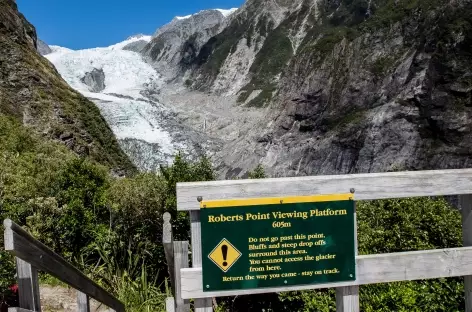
46, 279
130, 284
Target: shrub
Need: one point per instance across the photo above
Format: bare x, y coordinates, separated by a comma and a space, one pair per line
397, 225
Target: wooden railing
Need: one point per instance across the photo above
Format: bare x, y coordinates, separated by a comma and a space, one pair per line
377, 268
177, 257
31, 256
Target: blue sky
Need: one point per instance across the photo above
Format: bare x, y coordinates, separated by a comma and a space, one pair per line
79, 24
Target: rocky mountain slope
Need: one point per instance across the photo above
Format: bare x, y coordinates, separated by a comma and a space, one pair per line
308, 86
32, 91
343, 86
174, 45
43, 48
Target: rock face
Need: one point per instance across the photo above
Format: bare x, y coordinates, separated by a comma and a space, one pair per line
43, 48
175, 45
95, 80
31, 90
343, 86
310, 87
136, 46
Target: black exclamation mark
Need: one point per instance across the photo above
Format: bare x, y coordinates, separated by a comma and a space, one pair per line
224, 250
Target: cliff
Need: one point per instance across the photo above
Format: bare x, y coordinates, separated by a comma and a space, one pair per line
32, 91
341, 86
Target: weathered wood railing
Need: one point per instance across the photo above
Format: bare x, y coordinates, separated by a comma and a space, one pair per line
31, 256
379, 268
176, 253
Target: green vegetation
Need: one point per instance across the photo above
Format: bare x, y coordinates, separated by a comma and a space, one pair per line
213, 54
351, 118
270, 61
261, 99
38, 96
110, 228
257, 173
388, 12
349, 19
104, 225
333, 36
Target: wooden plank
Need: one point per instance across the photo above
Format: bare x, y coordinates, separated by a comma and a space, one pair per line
19, 310
83, 303
368, 186
465, 204
371, 269
170, 304
347, 298
25, 247
28, 286
167, 241
205, 304
181, 261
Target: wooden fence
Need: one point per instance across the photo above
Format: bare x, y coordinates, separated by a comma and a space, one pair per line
31, 256
378, 268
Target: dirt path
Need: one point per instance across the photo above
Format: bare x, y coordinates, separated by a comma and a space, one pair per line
63, 299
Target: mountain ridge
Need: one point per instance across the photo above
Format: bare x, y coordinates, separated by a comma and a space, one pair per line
335, 78
330, 86
33, 92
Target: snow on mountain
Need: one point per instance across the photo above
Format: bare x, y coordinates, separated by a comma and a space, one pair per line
227, 13
183, 17
132, 39
126, 76
125, 71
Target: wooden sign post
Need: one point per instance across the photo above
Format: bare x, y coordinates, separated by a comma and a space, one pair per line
275, 242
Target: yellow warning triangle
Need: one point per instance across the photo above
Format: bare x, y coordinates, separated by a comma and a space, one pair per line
224, 255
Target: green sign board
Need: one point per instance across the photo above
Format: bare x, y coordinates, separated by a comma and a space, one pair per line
272, 242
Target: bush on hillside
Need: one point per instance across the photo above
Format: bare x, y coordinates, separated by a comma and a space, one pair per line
74, 205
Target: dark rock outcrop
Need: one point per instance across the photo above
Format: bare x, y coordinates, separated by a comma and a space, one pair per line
43, 48
174, 45
136, 46
95, 80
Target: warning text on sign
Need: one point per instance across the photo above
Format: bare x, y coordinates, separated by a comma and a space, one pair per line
248, 246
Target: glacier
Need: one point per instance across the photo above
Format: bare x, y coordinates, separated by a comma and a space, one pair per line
225, 13
139, 123
133, 96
